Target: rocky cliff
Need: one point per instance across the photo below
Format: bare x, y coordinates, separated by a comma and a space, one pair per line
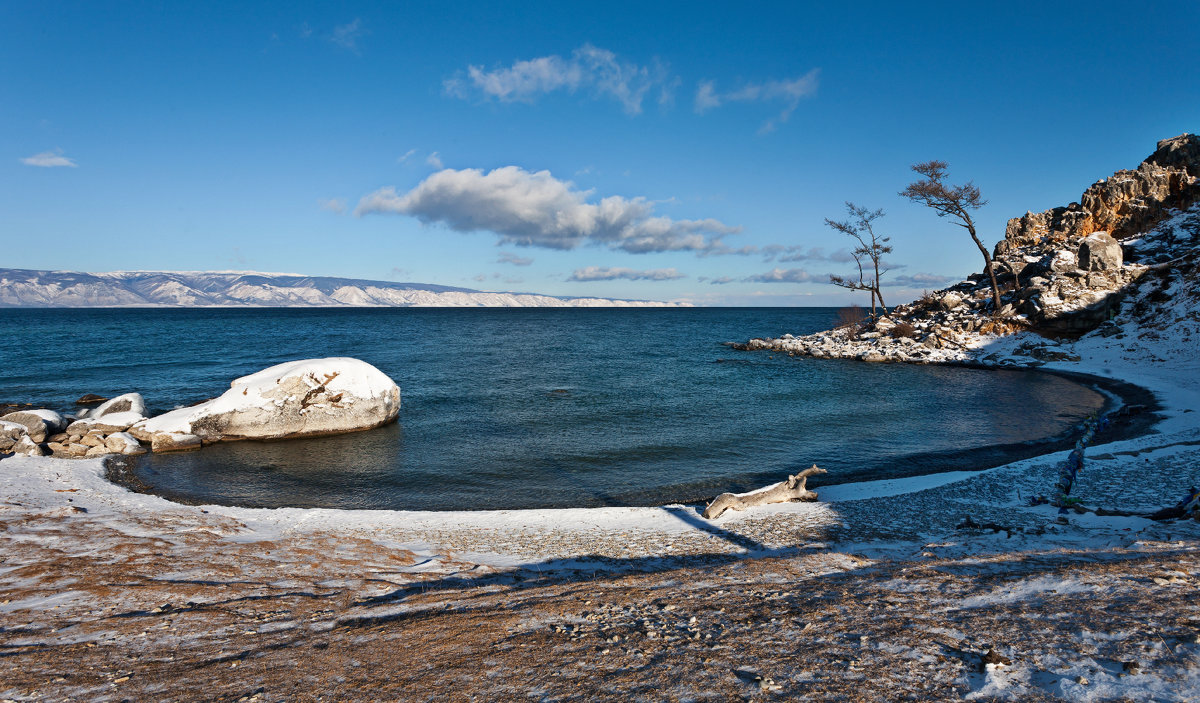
1122, 251
1126, 203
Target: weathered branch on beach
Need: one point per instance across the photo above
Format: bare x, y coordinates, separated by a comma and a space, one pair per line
793, 489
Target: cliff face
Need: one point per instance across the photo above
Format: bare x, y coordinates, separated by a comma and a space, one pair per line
1129, 251
1124, 204
1067, 267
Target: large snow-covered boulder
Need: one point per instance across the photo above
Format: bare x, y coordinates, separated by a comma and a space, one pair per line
126, 403
293, 399
38, 423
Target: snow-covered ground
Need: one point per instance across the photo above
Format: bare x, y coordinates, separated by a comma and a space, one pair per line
881, 590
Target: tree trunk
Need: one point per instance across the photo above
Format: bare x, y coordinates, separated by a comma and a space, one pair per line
878, 288
987, 267
790, 490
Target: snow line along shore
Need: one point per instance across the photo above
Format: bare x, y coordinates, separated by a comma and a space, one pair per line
109, 594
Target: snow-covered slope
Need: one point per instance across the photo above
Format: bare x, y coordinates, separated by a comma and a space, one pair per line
27, 288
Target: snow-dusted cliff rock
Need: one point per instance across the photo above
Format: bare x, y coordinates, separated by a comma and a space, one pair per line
27, 288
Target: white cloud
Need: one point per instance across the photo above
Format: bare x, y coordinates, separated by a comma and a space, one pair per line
778, 275
536, 209
507, 257
588, 67
337, 205
771, 252
49, 159
918, 280
435, 161
789, 92
604, 273
347, 35
406, 156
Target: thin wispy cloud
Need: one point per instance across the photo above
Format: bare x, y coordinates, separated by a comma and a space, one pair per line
918, 280
347, 35
587, 68
335, 205
435, 160
507, 257
405, 156
605, 273
49, 159
789, 92
778, 275
536, 209
773, 252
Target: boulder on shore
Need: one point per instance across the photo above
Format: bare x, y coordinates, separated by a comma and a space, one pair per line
294, 399
126, 403
39, 424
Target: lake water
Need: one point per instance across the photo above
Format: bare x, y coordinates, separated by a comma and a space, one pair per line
518, 408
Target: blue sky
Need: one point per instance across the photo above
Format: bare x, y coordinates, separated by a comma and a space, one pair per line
683, 151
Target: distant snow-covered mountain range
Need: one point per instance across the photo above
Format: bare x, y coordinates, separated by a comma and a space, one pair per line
74, 289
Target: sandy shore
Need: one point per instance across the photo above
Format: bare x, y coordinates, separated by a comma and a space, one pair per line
875, 593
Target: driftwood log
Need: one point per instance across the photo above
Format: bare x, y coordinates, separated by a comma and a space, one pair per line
784, 491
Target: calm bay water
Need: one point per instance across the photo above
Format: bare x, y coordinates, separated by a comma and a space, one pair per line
511, 408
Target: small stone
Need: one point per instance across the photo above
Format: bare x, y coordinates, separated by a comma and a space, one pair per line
27, 447
90, 399
1082, 680
123, 443
174, 442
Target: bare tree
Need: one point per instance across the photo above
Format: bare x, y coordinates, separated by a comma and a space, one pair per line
871, 249
955, 202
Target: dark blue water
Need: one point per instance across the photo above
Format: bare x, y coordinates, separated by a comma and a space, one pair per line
507, 408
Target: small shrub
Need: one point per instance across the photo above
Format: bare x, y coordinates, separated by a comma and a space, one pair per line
852, 320
903, 329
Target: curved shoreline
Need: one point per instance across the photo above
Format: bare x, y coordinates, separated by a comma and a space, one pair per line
1120, 396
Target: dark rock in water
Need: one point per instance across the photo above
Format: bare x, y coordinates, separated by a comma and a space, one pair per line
90, 399
6, 408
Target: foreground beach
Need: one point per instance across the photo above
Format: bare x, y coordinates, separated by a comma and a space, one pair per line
878, 591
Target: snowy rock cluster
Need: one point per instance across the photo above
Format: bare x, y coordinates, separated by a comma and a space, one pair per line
294, 399
1058, 274
89, 433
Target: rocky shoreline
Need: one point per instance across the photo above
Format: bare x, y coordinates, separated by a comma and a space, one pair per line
305, 398
1063, 273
